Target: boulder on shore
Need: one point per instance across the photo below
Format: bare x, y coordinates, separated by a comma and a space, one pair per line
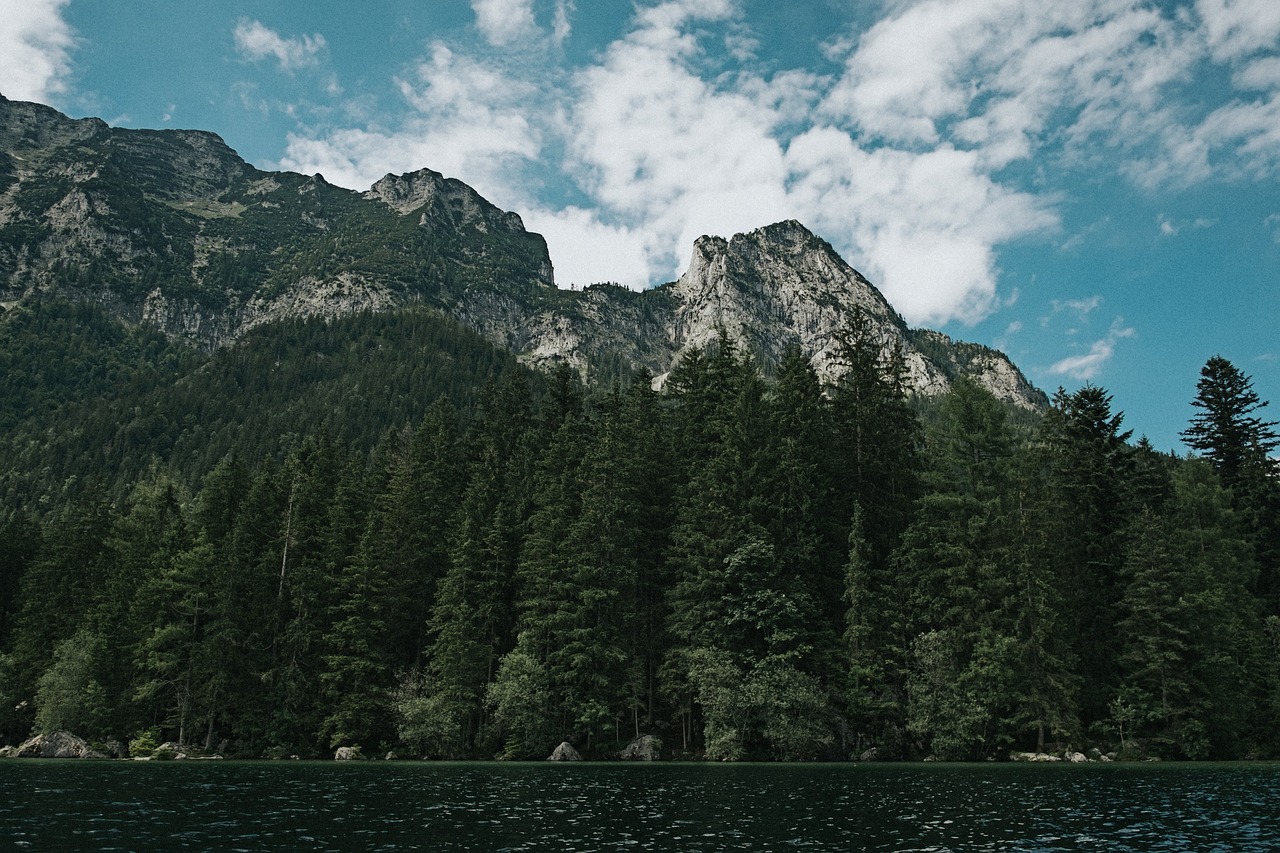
643, 748
57, 745
565, 752
347, 753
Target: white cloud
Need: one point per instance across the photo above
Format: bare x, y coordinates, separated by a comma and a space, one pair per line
563, 26
470, 122
923, 226
912, 160
35, 50
255, 42
587, 251
1087, 366
1260, 74
655, 144
996, 76
1250, 129
1237, 28
1273, 222
1169, 228
1081, 307
504, 21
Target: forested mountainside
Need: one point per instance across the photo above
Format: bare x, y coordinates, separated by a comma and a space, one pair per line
253, 513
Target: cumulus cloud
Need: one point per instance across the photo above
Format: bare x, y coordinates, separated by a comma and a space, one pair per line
35, 50
504, 21
255, 42
653, 142
587, 251
923, 226
996, 75
1088, 365
470, 121
1237, 28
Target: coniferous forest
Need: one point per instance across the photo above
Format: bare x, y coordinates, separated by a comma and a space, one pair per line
383, 533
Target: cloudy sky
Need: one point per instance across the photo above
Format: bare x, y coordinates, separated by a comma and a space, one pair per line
1090, 185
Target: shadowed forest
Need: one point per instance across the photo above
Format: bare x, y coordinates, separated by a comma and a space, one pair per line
382, 533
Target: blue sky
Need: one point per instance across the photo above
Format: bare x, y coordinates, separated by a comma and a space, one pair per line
1090, 185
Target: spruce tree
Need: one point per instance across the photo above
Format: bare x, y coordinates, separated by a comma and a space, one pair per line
1089, 503
1227, 429
1241, 446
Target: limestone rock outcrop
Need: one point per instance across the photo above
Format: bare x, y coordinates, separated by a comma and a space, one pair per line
57, 745
643, 748
564, 752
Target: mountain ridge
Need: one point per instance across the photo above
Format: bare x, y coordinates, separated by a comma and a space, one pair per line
172, 229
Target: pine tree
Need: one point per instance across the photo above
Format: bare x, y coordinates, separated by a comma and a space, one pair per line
1229, 433
1089, 503
1241, 446
876, 436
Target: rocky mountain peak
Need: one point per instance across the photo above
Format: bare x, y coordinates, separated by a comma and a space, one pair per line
172, 228
26, 126
446, 200
774, 287
768, 289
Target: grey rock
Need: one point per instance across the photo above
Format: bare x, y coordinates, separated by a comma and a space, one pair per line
564, 752
643, 748
347, 753
872, 754
57, 745
767, 290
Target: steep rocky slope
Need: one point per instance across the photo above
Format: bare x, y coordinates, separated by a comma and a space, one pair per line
173, 229
770, 289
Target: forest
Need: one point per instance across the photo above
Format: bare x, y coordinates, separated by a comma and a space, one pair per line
745, 564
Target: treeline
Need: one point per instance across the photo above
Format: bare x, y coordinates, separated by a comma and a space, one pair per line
747, 568
87, 402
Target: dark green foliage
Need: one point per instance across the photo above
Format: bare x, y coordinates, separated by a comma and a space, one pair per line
1234, 439
85, 398
1088, 502
381, 532
1241, 446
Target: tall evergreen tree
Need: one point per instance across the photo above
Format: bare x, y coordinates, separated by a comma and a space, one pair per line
1241, 446
1089, 503
877, 436
1227, 429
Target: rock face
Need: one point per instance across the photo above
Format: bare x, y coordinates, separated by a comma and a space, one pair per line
57, 745
346, 753
643, 748
173, 229
776, 287
564, 752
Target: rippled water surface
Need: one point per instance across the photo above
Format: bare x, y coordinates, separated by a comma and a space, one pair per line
51, 805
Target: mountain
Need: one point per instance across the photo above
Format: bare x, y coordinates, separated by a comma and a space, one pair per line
174, 231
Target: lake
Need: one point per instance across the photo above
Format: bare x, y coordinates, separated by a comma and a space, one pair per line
225, 805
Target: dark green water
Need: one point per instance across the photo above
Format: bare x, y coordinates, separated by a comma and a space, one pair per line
51, 805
